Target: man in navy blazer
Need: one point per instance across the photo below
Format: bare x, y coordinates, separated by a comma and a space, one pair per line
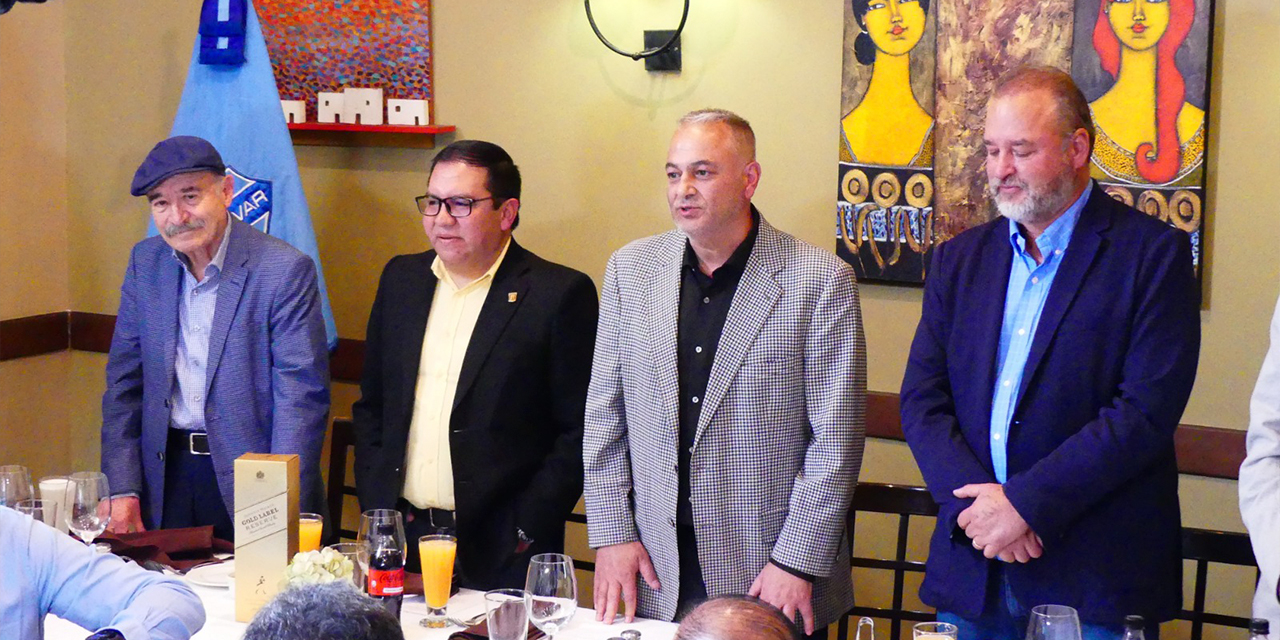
219, 350
1053, 360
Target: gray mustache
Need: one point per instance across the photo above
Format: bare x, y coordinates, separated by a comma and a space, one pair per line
175, 229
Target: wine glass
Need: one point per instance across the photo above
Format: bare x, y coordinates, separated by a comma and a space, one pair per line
1053, 622
553, 592
15, 485
88, 504
367, 535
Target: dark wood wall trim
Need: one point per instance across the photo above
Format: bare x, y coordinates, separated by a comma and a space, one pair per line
33, 335
347, 360
92, 331
1204, 451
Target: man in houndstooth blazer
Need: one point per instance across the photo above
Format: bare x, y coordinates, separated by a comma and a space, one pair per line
779, 426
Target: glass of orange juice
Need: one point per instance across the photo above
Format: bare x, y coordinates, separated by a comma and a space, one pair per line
437, 553
310, 526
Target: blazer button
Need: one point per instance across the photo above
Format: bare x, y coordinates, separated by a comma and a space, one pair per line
160, 456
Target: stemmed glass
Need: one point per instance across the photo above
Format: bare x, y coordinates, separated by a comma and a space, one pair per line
88, 504
1053, 622
553, 592
15, 485
369, 523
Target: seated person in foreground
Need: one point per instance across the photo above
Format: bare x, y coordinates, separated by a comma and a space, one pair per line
333, 611
737, 618
43, 571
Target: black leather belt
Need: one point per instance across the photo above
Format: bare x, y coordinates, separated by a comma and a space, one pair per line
197, 442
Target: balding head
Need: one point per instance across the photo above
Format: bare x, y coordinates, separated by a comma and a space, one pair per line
736, 618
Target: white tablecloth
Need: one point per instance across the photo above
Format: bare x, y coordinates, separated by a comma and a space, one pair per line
219, 608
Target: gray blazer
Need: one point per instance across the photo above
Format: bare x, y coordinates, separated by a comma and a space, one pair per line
267, 385
779, 441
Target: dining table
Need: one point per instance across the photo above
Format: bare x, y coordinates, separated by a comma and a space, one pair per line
220, 623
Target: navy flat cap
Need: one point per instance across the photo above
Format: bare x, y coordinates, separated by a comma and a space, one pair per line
179, 154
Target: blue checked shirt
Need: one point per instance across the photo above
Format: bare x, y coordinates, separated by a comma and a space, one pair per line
195, 318
1028, 288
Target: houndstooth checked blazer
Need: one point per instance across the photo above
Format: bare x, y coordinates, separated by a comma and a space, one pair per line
779, 440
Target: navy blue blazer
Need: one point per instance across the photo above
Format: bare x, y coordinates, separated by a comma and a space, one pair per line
267, 384
1090, 447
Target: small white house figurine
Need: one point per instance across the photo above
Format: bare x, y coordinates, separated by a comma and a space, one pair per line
295, 111
410, 112
329, 106
362, 106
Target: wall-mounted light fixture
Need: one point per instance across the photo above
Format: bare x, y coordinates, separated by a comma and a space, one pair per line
662, 48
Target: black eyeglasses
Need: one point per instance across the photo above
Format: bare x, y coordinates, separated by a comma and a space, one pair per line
458, 207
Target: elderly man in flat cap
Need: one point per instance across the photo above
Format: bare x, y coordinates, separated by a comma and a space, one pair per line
219, 350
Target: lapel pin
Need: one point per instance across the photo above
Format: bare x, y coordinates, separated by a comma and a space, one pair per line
511, 297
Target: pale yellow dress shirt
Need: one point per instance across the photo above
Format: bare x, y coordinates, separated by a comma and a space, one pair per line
428, 480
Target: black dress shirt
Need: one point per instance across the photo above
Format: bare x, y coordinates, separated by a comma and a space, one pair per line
704, 307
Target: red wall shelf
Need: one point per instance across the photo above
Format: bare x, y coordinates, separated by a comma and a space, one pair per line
363, 135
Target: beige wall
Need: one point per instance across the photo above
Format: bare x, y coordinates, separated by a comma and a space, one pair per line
33, 228
589, 129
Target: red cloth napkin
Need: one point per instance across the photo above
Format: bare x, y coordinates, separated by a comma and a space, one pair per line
180, 549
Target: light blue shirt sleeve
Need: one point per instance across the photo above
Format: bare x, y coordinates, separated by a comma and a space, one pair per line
45, 571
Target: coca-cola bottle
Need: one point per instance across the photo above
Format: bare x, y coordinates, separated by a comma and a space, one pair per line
386, 567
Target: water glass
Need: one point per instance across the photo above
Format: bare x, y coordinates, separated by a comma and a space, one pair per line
54, 489
1053, 622
351, 551
88, 505
553, 592
934, 631
43, 510
506, 614
15, 485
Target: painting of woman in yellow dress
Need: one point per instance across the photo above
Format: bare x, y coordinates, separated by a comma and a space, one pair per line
884, 212
888, 126
1147, 131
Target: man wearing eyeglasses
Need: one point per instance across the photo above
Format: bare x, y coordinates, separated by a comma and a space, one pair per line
477, 359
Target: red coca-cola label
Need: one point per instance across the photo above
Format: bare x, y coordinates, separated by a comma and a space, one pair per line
386, 583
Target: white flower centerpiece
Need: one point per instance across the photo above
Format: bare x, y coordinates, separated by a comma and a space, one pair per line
318, 567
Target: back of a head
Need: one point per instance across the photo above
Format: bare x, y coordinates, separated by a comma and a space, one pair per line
334, 611
736, 618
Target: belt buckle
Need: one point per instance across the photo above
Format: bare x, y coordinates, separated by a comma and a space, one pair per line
195, 436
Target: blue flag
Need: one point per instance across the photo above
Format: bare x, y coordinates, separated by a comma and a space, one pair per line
237, 108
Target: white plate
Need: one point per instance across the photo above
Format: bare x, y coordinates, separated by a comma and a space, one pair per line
218, 576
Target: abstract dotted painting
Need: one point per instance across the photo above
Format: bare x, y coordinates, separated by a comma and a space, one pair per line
328, 45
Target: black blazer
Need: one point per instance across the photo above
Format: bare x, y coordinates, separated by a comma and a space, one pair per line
1090, 446
516, 427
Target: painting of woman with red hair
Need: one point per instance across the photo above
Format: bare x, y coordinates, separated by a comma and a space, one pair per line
1148, 131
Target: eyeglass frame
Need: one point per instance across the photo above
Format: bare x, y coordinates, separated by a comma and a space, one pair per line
446, 206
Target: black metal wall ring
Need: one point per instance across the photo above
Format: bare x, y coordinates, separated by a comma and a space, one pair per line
647, 52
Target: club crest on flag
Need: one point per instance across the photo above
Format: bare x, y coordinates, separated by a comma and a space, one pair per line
251, 200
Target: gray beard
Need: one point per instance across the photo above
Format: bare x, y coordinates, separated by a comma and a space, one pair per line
1040, 205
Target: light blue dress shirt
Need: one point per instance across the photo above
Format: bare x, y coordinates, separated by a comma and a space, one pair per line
43, 571
1029, 285
195, 318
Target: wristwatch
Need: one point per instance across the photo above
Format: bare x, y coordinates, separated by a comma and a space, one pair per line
106, 634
